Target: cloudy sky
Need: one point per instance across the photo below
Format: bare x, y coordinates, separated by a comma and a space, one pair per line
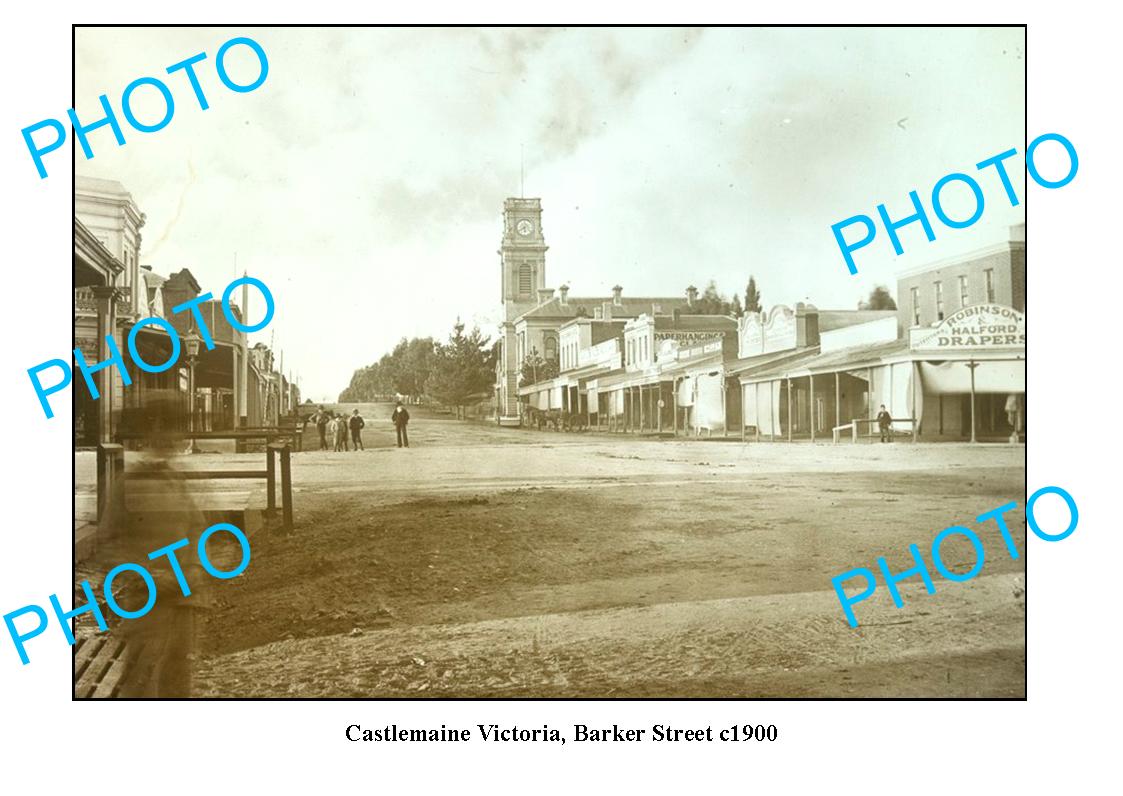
364, 180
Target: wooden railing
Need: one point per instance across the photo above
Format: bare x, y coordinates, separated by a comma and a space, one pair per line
111, 468
852, 427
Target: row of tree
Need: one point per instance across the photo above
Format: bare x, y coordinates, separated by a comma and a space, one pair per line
711, 302
456, 373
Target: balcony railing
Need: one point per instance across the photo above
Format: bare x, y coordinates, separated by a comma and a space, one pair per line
85, 303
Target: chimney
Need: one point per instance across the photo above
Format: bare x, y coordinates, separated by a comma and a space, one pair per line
617, 292
606, 310
545, 294
691, 295
563, 293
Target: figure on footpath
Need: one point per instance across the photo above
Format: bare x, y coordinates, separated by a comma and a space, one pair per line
356, 423
885, 423
400, 418
321, 419
340, 433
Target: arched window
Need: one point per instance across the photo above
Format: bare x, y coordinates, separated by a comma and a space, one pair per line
526, 280
551, 345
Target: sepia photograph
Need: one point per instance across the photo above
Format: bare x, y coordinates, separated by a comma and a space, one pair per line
548, 363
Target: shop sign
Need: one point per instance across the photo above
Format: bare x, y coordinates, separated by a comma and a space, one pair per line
978, 326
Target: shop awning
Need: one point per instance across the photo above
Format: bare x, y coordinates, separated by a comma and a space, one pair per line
991, 376
635, 378
749, 366
843, 359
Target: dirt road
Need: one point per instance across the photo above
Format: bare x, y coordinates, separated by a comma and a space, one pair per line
498, 562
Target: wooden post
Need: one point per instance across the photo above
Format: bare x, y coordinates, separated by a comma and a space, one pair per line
756, 399
724, 408
811, 404
674, 406
972, 365
869, 399
270, 478
106, 300
915, 387
837, 400
286, 488
744, 434
790, 424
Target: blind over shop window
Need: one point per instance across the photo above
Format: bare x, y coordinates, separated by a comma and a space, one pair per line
525, 279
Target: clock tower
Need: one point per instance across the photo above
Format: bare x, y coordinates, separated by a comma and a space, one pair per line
522, 256
522, 259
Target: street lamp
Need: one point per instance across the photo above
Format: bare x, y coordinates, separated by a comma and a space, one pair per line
191, 342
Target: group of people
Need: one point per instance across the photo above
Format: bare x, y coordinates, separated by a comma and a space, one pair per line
333, 427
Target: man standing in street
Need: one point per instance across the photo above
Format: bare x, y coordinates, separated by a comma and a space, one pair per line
885, 423
321, 419
400, 418
356, 422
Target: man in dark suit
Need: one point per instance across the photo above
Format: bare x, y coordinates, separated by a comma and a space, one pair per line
400, 418
321, 420
885, 424
356, 423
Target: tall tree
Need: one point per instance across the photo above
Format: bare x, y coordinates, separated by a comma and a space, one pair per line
536, 368
463, 369
881, 299
412, 365
752, 296
735, 307
403, 370
711, 302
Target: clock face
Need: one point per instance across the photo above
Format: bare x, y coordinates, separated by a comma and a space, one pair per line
524, 227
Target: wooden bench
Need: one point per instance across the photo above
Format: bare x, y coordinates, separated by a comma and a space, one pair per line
114, 456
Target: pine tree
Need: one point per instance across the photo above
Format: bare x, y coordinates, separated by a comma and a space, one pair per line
752, 296
463, 369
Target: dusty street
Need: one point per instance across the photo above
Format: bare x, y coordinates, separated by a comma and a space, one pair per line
506, 562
